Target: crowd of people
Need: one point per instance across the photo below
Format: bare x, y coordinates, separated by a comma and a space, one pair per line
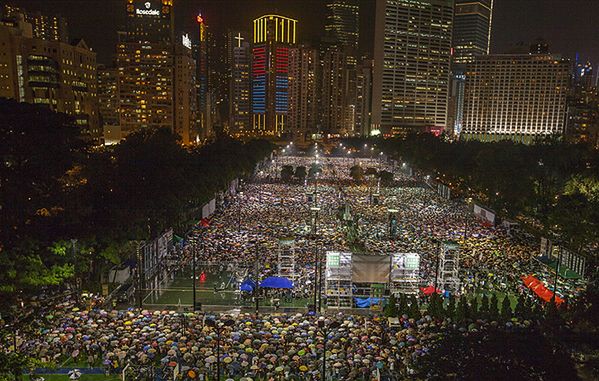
247, 234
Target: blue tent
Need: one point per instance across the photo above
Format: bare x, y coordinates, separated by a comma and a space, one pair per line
366, 302
247, 285
276, 282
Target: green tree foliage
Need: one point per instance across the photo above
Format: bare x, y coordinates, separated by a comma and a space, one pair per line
356, 172
386, 178
314, 170
286, 173
462, 311
451, 308
67, 208
515, 179
414, 308
506, 309
370, 171
483, 311
496, 355
494, 307
300, 173
391, 307
403, 305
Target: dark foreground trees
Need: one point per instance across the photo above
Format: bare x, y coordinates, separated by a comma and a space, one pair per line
68, 208
496, 355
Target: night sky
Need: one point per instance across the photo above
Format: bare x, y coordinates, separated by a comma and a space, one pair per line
567, 25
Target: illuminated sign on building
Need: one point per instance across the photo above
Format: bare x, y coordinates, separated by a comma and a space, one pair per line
186, 41
148, 11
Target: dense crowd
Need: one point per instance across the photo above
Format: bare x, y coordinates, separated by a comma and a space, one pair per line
246, 234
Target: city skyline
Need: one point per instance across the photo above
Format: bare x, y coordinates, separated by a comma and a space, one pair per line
568, 29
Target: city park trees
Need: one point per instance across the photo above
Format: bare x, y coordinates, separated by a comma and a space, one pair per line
554, 183
71, 209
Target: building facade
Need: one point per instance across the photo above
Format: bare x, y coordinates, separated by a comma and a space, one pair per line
411, 65
43, 26
343, 23
109, 103
364, 97
515, 96
472, 25
273, 36
303, 67
239, 62
185, 98
473, 21
49, 72
155, 72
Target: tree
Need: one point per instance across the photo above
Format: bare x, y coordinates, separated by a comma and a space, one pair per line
315, 169
474, 308
370, 171
286, 173
506, 308
435, 307
502, 356
356, 172
484, 307
391, 307
494, 308
386, 178
414, 308
520, 309
451, 308
300, 173
462, 311
403, 304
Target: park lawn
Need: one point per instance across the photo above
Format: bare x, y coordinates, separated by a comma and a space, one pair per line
84, 377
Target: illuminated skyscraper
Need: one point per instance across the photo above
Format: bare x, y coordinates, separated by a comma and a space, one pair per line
515, 96
150, 21
204, 117
343, 22
51, 73
364, 97
274, 35
154, 79
43, 26
473, 21
303, 65
411, 65
239, 59
471, 29
338, 66
185, 99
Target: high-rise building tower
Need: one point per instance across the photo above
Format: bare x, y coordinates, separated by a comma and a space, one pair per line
49, 72
239, 60
515, 96
303, 66
411, 64
153, 72
185, 99
364, 97
204, 117
473, 21
43, 26
150, 21
343, 23
339, 50
109, 103
274, 35
472, 24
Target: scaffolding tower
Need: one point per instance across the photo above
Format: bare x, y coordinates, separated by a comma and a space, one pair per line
286, 258
449, 266
338, 280
405, 273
